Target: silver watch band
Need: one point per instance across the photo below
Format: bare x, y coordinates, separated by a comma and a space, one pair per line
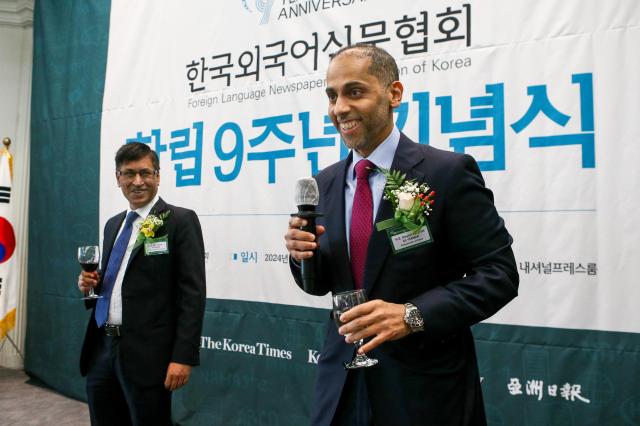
413, 318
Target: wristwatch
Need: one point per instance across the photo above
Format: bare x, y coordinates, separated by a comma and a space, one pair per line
413, 317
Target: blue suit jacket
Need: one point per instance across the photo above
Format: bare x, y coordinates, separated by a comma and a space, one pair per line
465, 275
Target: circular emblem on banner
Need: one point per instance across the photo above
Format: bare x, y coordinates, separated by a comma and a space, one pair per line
7, 240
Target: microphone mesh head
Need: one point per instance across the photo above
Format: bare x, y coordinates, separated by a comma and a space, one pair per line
307, 192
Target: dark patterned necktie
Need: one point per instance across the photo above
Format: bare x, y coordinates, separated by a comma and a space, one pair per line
115, 260
361, 221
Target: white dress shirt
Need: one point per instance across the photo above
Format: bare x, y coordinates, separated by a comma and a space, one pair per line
115, 304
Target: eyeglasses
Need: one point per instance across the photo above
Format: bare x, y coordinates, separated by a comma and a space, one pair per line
130, 175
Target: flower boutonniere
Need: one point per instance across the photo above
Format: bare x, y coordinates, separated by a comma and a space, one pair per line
149, 226
412, 202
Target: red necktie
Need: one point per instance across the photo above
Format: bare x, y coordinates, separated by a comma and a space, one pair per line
361, 221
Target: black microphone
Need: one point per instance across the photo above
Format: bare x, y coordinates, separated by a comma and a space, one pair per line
307, 197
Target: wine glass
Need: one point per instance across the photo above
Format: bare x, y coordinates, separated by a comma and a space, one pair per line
89, 257
342, 302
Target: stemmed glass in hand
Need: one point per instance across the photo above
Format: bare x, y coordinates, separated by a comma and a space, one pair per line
89, 257
342, 302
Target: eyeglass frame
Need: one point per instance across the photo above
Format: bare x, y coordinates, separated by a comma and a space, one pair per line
133, 173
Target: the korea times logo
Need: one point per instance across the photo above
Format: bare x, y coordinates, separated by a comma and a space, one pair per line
261, 7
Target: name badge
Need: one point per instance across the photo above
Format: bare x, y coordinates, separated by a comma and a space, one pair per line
154, 246
402, 240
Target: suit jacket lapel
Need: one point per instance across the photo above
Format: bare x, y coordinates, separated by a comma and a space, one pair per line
335, 225
158, 207
406, 158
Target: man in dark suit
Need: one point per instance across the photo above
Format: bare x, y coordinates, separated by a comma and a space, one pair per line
144, 333
422, 298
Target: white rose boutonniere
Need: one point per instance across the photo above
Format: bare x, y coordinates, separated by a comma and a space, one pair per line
405, 201
412, 202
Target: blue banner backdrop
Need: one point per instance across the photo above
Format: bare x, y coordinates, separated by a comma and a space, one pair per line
562, 353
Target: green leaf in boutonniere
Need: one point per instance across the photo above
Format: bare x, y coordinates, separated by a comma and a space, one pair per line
149, 226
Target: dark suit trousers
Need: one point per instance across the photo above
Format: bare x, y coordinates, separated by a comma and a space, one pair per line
353, 408
113, 399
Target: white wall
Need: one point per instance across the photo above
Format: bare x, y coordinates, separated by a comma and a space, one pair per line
16, 57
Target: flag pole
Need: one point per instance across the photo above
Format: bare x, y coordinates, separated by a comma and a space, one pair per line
14, 345
7, 142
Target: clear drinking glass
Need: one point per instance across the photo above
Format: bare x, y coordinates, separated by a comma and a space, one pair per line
89, 258
342, 302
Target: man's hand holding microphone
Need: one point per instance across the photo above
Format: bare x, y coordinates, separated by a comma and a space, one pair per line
302, 236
